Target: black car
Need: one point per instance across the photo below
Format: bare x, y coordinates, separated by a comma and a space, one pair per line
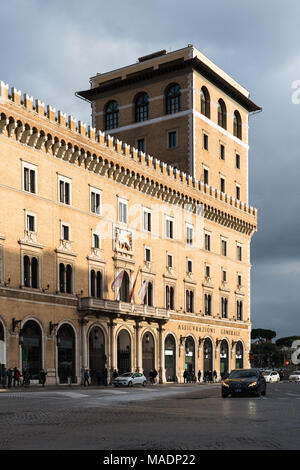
244, 382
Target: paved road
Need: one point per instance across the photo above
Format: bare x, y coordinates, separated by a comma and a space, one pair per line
161, 417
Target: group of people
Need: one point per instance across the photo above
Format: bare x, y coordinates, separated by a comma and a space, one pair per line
12, 377
100, 377
189, 376
152, 376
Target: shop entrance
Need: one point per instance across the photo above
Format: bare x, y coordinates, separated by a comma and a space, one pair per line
170, 362
148, 353
124, 352
96, 354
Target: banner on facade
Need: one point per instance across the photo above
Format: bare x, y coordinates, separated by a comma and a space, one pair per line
118, 282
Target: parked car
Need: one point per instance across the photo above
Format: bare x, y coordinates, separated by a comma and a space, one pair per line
295, 376
271, 376
244, 382
130, 379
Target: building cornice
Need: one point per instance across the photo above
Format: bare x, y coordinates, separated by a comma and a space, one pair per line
111, 158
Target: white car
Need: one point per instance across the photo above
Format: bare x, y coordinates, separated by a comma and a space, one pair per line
295, 376
130, 379
271, 376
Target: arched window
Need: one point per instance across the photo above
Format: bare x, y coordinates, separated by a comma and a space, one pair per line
237, 125
189, 298
69, 279
32, 348
224, 307
222, 116
148, 299
207, 304
30, 272
239, 310
173, 99
65, 278
205, 102
172, 299
124, 289
142, 107
96, 284
111, 115
26, 271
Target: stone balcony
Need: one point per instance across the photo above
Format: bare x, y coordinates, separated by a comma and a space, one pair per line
97, 307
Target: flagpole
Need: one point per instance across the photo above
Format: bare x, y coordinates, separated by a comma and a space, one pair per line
133, 287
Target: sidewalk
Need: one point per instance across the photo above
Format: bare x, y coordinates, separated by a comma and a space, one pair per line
39, 388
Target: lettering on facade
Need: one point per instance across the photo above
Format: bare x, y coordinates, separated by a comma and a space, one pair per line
207, 329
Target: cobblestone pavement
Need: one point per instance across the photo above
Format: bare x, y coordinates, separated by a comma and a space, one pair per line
160, 417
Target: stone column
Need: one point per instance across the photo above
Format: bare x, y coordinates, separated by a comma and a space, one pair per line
111, 360
138, 362
216, 365
161, 364
181, 360
83, 323
200, 358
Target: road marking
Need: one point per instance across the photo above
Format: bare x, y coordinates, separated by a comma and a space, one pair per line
71, 394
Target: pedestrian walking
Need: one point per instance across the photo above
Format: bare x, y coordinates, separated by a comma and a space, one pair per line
215, 376
199, 376
86, 377
185, 376
26, 378
9, 377
155, 373
43, 375
16, 377
4, 377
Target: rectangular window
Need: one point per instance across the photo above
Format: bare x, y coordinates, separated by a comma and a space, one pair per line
205, 176
172, 139
169, 227
190, 266
237, 161
239, 252
65, 232
29, 177
189, 234
222, 152
141, 145
30, 223
207, 271
95, 195
147, 216
64, 189
169, 261
224, 276
222, 185
239, 280
207, 241
123, 210
147, 254
238, 192
224, 247
205, 141
96, 240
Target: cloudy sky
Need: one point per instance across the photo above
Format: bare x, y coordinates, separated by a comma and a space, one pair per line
49, 49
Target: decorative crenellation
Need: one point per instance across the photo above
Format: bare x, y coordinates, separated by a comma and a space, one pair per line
41, 139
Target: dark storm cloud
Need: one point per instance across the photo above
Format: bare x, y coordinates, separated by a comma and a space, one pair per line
50, 49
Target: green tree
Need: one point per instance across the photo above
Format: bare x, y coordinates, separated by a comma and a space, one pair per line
262, 334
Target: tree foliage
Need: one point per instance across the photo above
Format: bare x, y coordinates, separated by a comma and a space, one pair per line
262, 334
286, 341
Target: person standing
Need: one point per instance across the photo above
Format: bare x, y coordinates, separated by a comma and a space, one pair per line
185, 376
16, 377
43, 375
199, 376
9, 377
154, 375
215, 375
4, 377
86, 377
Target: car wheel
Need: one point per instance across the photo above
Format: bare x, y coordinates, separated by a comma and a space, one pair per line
224, 395
144, 383
130, 384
